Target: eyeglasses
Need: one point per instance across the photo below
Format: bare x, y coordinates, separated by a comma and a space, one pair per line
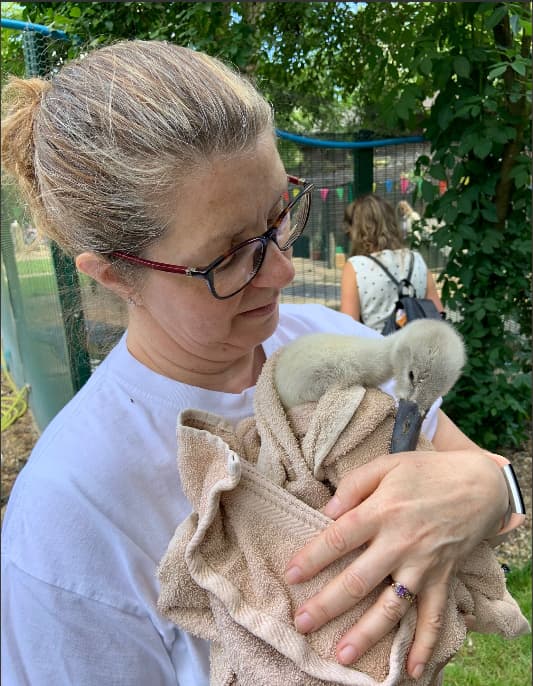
233, 271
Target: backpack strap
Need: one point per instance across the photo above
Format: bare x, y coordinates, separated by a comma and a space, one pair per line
387, 272
404, 283
411, 265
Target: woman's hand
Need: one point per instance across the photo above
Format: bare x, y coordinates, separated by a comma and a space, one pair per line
419, 513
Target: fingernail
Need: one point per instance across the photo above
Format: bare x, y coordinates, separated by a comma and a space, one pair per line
347, 655
304, 622
417, 671
333, 508
293, 575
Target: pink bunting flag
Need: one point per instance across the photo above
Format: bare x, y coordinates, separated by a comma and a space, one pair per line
324, 193
404, 184
286, 196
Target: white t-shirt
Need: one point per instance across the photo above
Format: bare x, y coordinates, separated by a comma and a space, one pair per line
377, 293
91, 515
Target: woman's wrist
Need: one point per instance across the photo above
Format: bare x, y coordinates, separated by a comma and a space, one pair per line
514, 515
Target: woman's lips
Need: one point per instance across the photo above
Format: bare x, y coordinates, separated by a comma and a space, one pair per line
261, 311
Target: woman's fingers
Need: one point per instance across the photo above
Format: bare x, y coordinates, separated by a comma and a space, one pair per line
383, 616
349, 532
343, 592
353, 526
358, 485
388, 611
431, 610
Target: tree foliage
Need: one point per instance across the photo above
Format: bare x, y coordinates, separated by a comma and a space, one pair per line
480, 130
457, 72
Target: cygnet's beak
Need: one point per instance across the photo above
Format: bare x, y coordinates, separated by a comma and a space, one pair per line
407, 427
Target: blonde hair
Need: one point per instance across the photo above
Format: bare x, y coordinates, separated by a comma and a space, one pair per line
371, 224
100, 147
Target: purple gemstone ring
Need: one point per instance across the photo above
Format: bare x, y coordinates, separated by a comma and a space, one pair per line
403, 592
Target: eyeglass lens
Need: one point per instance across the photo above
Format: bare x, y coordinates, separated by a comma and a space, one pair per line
240, 267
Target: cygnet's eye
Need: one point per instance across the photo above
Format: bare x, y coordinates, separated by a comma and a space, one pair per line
411, 377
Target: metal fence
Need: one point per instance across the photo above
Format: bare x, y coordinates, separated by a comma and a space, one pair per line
57, 325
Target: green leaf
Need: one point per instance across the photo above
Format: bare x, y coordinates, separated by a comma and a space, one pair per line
445, 116
425, 66
428, 191
75, 12
437, 171
496, 17
489, 213
461, 66
482, 148
526, 26
519, 67
464, 205
498, 70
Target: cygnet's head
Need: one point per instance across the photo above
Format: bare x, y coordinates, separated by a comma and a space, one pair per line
427, 358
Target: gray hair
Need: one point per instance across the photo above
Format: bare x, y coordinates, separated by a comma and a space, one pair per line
101, 147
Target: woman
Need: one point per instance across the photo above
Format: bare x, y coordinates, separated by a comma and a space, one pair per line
149, 161
367, 293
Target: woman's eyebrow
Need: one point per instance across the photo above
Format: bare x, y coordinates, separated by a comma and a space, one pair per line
242, 233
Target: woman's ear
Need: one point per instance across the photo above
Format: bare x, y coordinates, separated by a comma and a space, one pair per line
104, 273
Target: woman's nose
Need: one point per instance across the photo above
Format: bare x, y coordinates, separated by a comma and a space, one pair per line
277, 269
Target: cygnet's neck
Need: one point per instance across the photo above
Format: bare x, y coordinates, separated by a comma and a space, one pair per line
367, 361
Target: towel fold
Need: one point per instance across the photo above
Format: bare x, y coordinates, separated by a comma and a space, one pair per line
255, 490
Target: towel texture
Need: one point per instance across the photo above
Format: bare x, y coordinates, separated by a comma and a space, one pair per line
255, 490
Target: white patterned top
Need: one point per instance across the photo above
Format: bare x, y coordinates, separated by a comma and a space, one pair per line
377, 293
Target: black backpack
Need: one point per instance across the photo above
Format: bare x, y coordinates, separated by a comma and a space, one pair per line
413, 307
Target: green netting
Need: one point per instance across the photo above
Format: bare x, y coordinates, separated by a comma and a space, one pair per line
33, 332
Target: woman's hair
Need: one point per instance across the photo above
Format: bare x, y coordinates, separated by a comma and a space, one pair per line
371, 224
99, 150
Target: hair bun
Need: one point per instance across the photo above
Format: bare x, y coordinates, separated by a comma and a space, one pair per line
21, 102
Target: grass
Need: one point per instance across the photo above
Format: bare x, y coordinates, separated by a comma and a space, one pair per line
41, 265
37, 277
39, 284
491, 660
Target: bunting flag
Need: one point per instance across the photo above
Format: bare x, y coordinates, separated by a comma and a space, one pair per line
404, 184
324, 193
295, 192
340, 193
419, 183
374, 187
350, 193
286, 196
442, 187
388, 185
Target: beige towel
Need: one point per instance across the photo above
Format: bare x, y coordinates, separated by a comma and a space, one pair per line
255, 491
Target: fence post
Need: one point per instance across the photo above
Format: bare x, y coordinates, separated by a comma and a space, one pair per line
35, 48
363, 166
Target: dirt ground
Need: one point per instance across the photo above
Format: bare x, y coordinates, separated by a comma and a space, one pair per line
19, 438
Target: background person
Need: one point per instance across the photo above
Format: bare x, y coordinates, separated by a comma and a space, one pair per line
406, 215
151, 163
367, 293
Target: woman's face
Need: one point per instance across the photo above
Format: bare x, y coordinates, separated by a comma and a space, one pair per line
228, 201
